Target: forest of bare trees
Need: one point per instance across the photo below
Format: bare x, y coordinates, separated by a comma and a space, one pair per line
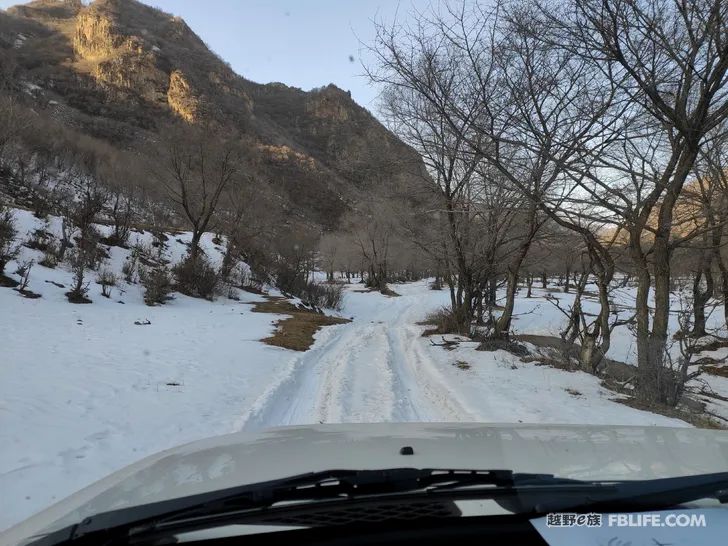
604, 119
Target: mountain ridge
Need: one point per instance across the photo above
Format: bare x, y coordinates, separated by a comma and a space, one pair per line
120, 70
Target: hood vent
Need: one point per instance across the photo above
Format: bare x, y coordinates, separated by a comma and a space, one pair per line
347, 512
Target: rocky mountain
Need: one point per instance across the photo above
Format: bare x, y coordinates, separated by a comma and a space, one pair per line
120, 71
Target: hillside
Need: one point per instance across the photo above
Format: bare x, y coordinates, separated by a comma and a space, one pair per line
121, 71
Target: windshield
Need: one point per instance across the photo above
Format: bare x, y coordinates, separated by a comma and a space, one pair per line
427, 234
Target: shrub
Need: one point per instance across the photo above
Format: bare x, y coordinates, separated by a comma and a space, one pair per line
89, 242
8, 248
79, 258
130, 265
24, 272
41, 204
447, 321
157, 284
322, 295
294, 281
50, 256
107, 279
197, 278
436, 284
39, 240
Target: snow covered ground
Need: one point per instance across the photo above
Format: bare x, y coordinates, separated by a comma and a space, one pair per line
380, 368
84, 390
539, 316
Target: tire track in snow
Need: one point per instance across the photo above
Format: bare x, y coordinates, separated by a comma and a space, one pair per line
276, 401
353, 387
373, 370
428, 399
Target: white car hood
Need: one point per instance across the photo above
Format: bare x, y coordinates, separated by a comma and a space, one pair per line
574, 451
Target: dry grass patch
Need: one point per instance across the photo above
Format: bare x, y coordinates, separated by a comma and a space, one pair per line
699, 420
715, 370
296, 331
573, 392
7, 282
713, 345
445, 321
385, 292
461, 365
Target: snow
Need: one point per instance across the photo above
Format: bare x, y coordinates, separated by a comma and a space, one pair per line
85, 391
19, 41
538, 316
31, 88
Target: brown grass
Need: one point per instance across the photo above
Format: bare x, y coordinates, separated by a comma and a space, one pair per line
8, 282
386, 292
715, 370
296, 331
711, 346
461, 364
444, 322
699, 420
573, 392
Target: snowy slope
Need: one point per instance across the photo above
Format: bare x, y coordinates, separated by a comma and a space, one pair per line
84, 390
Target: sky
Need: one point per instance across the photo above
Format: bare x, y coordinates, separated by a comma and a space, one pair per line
303, 43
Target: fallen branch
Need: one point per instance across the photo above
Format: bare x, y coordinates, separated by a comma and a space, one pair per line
712, 414
445, 343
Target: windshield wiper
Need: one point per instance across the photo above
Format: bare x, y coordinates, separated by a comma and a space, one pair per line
313, 486
521, 493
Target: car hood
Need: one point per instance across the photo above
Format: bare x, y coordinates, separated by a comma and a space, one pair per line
573, 451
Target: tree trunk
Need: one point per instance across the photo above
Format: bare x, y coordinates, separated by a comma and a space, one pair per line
503, 324
65, 239
480, 310
492, 291
652, 344
701, 297
573, 328
657, 383
717, 238
195, 245
600, 331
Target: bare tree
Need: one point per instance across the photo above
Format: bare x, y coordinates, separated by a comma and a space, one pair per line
373, 227
535, 109
82, 206
123, 199
668, 63
707, 202
329, 247
197, 167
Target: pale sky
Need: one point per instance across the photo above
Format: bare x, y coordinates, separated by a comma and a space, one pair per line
304, 43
